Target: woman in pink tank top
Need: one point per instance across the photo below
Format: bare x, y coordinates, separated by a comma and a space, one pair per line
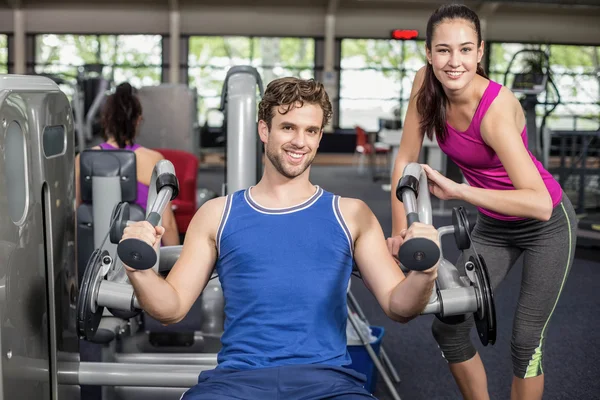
121, 116
480, 125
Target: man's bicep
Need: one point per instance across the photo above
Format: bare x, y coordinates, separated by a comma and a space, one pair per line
379, 270
193, 269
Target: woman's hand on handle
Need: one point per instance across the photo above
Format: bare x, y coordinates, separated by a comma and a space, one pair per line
440, 186
144, 231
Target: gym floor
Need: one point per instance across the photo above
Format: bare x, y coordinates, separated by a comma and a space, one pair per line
571, 348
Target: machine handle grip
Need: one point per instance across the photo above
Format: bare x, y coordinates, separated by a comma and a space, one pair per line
411, 218
136, 253
153, 218
416, 254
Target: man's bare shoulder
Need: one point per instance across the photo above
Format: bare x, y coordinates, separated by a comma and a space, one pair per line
353, 205
207, 219
354, 210
213, 208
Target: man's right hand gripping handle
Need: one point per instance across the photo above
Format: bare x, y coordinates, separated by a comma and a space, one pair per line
419, 249
145, 232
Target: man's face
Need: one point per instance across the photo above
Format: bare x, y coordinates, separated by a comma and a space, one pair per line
292, 142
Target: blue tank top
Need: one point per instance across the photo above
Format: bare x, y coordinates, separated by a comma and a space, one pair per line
284, 274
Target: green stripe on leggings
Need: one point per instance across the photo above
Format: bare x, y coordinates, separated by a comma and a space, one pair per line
535, 364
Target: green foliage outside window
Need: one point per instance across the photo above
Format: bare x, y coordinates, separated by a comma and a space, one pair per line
210, 57
3, 54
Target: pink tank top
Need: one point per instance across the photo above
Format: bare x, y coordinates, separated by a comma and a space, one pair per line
479, 163
142, 190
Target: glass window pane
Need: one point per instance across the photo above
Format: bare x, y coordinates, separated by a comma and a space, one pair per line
269, 74
577, 59
369, 84
208, 109
3, 54
138, 77
505, 55
414, 54
283, 52
219, 51
67, 73
134, 50
67, 49
572, 117
572, 69
133, 58
365, 113
208, 80
577, 87
61, 54
502, 54
378, 72
210, 58
372, 53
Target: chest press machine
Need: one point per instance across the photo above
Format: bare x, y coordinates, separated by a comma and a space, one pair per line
454, 295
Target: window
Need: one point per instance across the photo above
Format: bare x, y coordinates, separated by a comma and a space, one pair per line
210, 57
574, 71
133, 58
3, 54
376, 79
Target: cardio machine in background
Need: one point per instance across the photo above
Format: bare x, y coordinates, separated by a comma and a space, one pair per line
533, 80
577, 150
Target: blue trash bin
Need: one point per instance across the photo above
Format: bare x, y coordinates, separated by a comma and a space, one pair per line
361, 361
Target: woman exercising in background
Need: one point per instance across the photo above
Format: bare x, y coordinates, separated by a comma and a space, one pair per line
522, 209
121, 117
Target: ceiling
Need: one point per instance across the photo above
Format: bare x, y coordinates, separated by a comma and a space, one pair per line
324, 4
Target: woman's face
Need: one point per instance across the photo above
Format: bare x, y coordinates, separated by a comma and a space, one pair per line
454, 53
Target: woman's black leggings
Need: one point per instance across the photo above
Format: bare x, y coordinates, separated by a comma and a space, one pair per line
548, 249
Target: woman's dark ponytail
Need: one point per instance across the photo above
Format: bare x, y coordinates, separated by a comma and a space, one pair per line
431, 98
120, 115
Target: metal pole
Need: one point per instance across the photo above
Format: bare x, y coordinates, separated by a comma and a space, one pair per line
384, 356
122, 374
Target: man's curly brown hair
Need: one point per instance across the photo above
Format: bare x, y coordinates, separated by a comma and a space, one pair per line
287, 93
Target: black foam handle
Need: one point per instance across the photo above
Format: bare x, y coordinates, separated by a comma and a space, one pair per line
419, 254
411, 218
136, 254
407, 182
168, 179
153, 218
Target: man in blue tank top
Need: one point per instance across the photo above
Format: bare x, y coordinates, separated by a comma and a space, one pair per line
284, 250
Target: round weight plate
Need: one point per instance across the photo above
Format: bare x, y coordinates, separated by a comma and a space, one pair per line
119, 218
485, 317
461, 228
88, 311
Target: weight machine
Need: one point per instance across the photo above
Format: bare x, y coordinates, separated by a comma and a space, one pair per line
457, 292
